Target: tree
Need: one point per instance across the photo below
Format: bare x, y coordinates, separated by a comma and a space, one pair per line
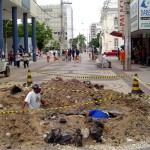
55, 45
81, 40
43, 33
95, 41
73, 42
8, 24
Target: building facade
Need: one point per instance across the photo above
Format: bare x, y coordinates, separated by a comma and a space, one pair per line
140, 32
109, 23
54, 21
12, 10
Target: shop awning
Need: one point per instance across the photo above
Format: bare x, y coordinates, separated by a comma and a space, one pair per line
116, 33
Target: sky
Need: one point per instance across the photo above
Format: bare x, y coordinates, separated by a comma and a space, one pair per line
85, 12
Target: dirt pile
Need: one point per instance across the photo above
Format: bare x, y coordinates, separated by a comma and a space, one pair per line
132, 121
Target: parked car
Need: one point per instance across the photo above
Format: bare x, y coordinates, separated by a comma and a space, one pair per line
112, 53
4, 68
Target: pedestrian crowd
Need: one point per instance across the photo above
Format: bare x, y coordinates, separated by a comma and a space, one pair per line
24, 56
67, 55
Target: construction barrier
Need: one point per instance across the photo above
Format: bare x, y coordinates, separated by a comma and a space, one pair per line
56, 108
109, 97
77, 59
95, 57
83, 77
55, 58
29, 78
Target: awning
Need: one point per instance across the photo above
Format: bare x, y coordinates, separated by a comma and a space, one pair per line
116, 33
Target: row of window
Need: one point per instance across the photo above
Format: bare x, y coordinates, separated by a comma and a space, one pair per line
59, 33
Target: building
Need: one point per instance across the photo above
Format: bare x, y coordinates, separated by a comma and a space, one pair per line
13, 10
51, 14
140, 31
109, 24
93, 31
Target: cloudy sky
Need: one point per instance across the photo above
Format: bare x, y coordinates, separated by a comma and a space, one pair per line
85, 12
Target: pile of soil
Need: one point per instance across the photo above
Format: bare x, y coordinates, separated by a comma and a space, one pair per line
132, 120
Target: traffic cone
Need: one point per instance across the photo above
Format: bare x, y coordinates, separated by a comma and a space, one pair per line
55, 58
135, 87
29, 78
76, 58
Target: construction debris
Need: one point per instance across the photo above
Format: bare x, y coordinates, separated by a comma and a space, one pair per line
129, 116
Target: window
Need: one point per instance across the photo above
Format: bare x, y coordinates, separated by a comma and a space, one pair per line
47, 19
115, 21
116, 42
48, 9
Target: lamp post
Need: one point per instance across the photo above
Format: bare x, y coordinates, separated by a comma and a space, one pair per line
127, 36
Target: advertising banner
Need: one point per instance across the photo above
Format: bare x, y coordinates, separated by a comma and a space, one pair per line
26, 4
120, 14
144, 14
134, 11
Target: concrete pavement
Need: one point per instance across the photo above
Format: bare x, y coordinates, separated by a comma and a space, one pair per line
85, 67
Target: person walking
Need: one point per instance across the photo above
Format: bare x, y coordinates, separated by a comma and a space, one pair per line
33, 98
143, 54
48, 56
10, 57
73, 52
122, 56
25, 60
18, 58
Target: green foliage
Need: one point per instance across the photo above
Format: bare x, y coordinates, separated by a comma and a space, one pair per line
55, 45
73, 42
81, 40
43, 33
8, 24
95, 41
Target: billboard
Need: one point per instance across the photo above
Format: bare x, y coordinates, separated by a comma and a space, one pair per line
26, 4
120, 14
144, 14
134, 13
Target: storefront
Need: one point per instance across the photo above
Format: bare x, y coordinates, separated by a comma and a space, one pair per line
140, 32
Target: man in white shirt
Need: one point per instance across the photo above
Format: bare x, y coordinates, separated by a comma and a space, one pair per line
33, 99
104, 58
103, 61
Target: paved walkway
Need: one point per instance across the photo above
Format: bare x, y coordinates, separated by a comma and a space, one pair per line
143, 73
86, 67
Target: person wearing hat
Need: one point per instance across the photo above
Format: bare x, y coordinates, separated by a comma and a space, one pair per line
33, 98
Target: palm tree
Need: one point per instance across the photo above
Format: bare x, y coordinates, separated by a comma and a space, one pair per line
81, 40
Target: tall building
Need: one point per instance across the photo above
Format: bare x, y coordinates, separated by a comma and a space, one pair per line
93, 31
51, 15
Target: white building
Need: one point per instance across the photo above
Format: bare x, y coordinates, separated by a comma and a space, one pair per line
51, 14
92, 31
109, 23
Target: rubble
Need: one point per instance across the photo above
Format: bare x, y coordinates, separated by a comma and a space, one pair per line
130, 116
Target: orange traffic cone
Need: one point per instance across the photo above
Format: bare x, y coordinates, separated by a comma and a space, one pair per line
135, 87
55, 58
29, 78
76, 59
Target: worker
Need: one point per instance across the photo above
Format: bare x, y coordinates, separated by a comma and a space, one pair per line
33, 98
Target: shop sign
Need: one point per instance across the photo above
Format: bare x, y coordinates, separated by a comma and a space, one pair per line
134, 15
26, 4
121, 14
144, 14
